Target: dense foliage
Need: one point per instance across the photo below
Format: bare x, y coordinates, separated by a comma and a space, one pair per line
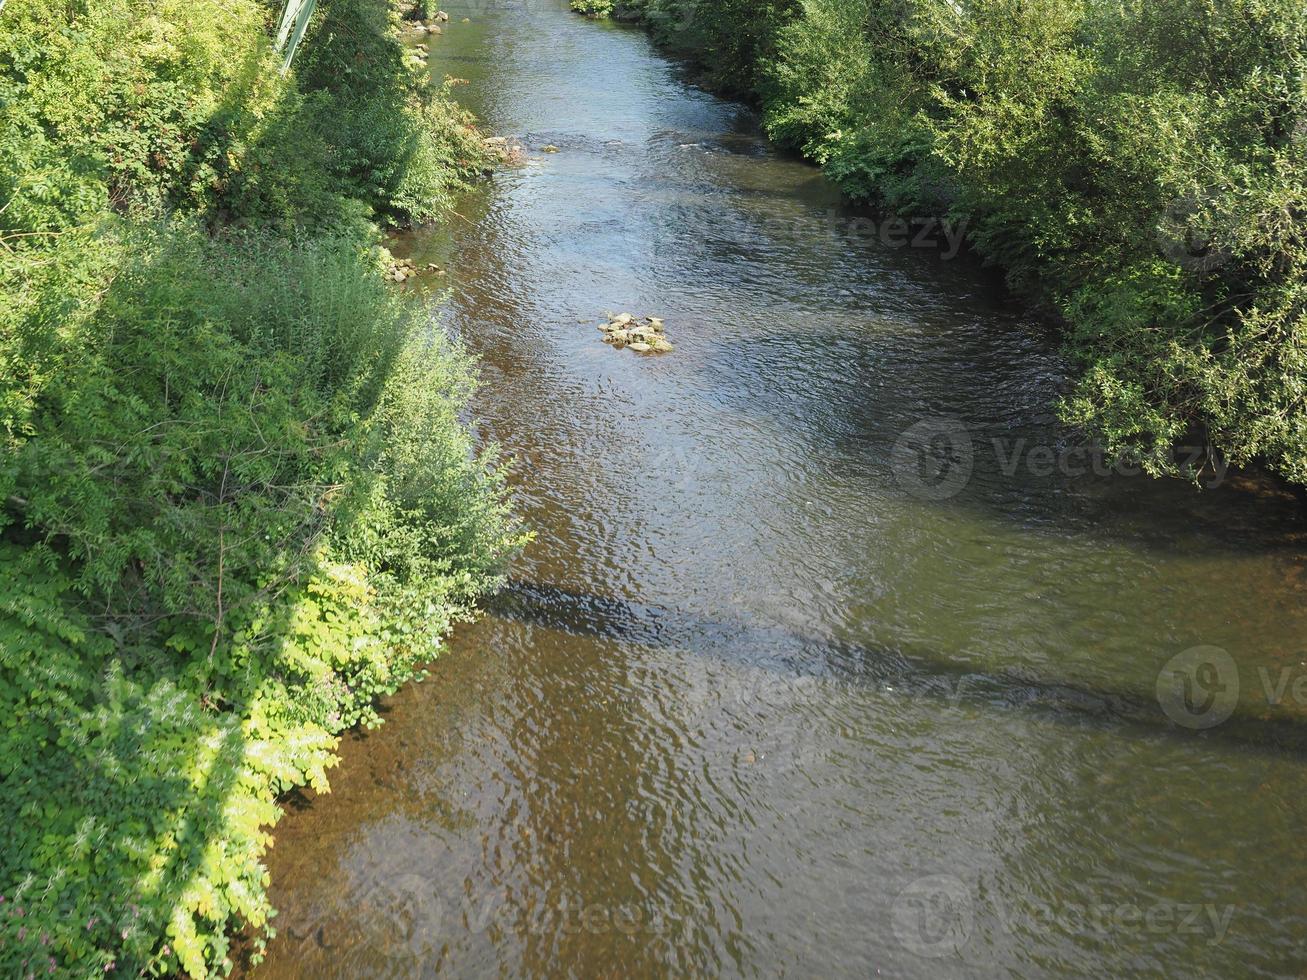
1140, 166
237, 502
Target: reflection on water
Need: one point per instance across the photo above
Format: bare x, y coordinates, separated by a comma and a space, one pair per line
757, 703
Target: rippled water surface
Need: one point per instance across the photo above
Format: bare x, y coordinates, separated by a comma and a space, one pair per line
756, 703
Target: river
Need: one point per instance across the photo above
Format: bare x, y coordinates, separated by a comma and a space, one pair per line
833, 655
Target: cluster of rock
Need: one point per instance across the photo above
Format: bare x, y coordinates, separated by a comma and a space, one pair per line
401, 270
422, 28
430, 25
506, 151
644, 336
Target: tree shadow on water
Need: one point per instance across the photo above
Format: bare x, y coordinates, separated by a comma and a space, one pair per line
782, 656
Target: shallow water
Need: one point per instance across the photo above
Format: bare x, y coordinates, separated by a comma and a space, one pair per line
790, 683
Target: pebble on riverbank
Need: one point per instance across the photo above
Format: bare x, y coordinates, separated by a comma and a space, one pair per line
402, 270
409, 12
642, 335
505, 151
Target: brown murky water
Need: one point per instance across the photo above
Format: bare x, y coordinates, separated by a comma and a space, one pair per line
780, 690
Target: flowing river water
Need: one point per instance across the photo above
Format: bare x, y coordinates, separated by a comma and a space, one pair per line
832, 654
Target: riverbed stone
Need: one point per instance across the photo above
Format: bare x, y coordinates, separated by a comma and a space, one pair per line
644, 335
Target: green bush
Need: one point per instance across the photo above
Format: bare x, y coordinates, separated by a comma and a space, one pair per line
149, 108
242, 507
238, 503
728, 40
138, 107
388, 137
593, 8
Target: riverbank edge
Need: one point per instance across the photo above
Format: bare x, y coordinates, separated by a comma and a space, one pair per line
241, 503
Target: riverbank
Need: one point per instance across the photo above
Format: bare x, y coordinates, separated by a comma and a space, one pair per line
1147, 187
238, 500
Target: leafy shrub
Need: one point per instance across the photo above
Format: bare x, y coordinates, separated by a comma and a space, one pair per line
123, 104
219, 558
389, 138
729, 40
593, 8
238, 503
161, 107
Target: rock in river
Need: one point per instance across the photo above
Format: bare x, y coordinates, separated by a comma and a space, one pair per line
642, 336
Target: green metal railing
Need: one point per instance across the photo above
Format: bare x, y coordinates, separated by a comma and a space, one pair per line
290, 31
